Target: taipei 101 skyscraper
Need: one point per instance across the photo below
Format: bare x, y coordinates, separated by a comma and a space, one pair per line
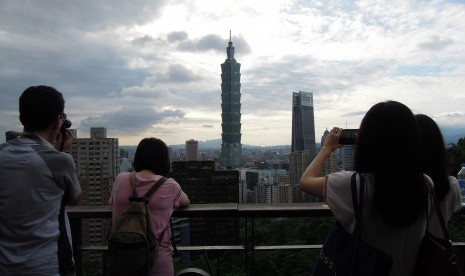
231, 147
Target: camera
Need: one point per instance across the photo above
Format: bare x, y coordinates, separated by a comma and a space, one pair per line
348, 136
66, 124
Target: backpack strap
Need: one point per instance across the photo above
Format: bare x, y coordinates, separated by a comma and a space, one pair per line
132, 180
154, 188
173, 241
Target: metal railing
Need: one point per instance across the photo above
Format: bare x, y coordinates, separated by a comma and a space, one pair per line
247, 211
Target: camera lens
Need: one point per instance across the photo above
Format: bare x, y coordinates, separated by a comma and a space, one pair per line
66, 123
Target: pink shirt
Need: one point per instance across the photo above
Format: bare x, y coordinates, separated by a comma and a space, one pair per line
161, 204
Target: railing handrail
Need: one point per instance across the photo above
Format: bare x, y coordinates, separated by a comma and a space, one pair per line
314, 209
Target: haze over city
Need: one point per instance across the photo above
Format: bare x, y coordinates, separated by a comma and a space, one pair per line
152, 68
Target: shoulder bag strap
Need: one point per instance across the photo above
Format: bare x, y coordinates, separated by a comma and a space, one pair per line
438, 211
361, 195
357, 201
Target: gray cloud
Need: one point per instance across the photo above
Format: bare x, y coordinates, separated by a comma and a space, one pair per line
179, 73
456, 114
130, 119
436, 43
215, 43
45, 16
354, 114
176, 73
101, 56
277, 80
74, 66
142, 41
177, 36
209, 42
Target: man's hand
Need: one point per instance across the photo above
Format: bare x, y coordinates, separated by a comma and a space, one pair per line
67, 143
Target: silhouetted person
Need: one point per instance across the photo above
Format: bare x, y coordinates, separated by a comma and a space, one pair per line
36, 182
388, 157
434, 164
151, 162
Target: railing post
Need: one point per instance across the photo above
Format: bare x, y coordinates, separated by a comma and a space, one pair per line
249, 247
252, 248
76, 234
246, 246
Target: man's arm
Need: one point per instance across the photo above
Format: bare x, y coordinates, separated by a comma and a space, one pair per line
72, 188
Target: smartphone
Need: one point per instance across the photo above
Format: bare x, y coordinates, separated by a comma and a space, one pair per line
348, 136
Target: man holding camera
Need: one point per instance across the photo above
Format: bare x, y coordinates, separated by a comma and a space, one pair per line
37, 181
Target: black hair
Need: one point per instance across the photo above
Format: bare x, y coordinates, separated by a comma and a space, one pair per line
39, 106
388, 148
152, 154
434, 157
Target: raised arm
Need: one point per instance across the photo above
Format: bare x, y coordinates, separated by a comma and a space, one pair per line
311, 182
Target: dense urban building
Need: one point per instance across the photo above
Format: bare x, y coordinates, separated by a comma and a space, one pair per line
264, 186
298, 162
97, 165
348, 157
192, 150
284, 194
204, 184
231, 147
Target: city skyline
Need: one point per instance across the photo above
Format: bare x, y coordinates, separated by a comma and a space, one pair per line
152, 68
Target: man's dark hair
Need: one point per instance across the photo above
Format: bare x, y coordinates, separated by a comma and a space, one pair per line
152, 154
39, 106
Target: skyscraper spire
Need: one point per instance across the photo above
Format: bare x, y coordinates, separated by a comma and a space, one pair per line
230, 48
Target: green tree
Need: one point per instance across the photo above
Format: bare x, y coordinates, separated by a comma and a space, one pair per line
455, 156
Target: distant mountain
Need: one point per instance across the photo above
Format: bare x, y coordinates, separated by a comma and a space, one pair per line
209, 144
452, 134
216, 144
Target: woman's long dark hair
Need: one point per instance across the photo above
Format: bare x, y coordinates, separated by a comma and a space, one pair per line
434, 157
388, 148
152, 154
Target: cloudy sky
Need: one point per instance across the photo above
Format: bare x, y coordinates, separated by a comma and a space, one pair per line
152, 68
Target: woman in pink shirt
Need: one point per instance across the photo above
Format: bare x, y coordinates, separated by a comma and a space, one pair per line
151, 162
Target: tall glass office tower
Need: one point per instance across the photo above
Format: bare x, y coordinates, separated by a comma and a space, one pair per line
231, 147
303, 146
303, 123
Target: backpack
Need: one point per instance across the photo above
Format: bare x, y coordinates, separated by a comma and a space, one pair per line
133, 247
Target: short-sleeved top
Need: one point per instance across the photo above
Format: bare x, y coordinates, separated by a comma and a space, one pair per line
162, 204
34, 177
402, 244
